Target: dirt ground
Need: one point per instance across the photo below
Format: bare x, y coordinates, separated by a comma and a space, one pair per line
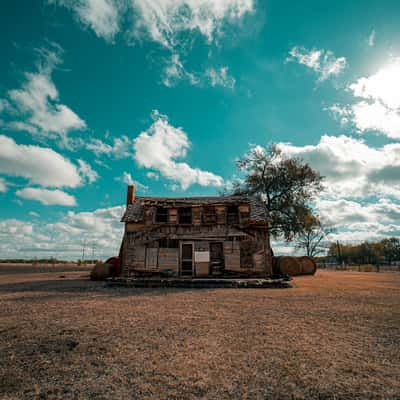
333, 336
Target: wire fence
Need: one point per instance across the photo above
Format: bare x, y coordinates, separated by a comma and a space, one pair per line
386, 267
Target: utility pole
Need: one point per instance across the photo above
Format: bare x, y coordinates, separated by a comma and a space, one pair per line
83, 250
93, 247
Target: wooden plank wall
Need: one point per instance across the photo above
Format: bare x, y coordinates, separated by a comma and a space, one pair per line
168, 259
232, 254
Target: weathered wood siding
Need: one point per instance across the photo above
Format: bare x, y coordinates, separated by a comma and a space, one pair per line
245, 249
232, 255
134, 226
173, 216
168, 259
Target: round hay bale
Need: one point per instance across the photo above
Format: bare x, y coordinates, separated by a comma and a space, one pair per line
308, 265
101, 271
289, 265
116, 265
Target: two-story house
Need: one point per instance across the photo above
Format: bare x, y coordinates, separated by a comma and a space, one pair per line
195, 236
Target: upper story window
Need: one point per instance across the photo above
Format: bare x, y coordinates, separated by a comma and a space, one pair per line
161, 215
185, 215
232, 215
209, 215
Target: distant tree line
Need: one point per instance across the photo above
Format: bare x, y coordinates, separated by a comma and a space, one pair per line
386, 250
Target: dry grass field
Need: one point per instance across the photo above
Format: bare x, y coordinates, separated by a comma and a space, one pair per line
333, 336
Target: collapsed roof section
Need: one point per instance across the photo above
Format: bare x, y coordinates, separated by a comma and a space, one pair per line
135, 211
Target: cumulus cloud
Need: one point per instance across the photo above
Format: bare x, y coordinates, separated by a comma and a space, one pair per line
356, 221
47, 197
383, 85
159, 147
64, 238
351, 167
377, 102
36, 107
323, 62
39, 165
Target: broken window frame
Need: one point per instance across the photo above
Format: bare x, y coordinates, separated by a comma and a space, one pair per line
232, 218
209, 215
164, 215
185, 215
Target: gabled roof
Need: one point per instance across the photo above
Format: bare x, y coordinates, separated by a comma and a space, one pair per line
135, 212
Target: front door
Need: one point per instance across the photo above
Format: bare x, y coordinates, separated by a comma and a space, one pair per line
186, 259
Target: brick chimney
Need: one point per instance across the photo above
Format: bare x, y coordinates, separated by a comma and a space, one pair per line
130, 198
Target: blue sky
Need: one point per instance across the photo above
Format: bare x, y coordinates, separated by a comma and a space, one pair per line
168, 93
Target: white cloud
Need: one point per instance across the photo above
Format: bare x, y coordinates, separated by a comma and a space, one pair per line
383, 85
379, 109
153, 175
34, 214
39, 165
3, 185
323, 62
103, 16
37, 105
121, 147
371, 38
352, 168
163, 20
65, 237
356, 222
174, 72
87, 172
220, 77
161, 145
47, 197
127, 179
375, 116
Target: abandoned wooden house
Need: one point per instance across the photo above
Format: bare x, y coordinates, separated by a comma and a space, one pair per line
195, 236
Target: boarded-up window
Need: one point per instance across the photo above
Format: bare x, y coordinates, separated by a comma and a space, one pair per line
232, 215
185, 215
209, 215
161, 215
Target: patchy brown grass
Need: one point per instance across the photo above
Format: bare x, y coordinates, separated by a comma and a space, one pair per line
333, 336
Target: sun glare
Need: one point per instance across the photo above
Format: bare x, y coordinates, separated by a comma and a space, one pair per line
383, 86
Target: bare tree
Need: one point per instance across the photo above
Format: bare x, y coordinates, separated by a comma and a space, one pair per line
311, 237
